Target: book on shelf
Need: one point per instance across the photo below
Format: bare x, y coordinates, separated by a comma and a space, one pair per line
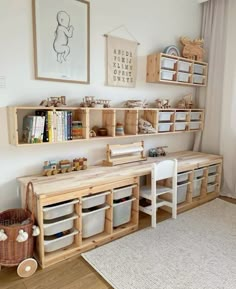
45, 132
33, 129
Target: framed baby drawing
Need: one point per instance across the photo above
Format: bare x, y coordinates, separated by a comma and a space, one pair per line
61, 40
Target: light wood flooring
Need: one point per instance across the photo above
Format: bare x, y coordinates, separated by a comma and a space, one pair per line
74, 273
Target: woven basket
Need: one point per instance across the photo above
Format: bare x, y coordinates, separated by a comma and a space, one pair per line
11, 251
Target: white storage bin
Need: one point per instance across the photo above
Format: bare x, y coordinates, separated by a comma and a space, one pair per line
211, 188
198, 68
199, 79
195, 115
59, 210
168, 63
212, 170
182, 177
94, 200
194, 125
123, 192
167, 74
59, 225
184, 66
59, 243
122, 212
181, 115
197, 184
164, 127
211, 179
181, 193
165, 115
183, 77
180, 126
198, 173
93, 222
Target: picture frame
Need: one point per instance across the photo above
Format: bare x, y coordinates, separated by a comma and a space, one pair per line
61, 32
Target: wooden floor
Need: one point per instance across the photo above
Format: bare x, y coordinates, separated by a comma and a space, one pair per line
74, 273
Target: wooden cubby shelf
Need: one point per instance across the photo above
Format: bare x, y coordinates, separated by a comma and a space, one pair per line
169, 69
164, 121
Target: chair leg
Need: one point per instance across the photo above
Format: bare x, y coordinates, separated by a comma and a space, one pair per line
174, 206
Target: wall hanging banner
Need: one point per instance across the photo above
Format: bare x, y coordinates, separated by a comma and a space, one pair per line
121, 62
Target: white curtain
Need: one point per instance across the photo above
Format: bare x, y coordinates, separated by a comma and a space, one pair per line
219, 135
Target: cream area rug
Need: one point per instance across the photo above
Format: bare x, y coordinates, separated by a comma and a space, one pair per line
195, 251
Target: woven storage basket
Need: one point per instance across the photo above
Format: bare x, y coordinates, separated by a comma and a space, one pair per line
11, 251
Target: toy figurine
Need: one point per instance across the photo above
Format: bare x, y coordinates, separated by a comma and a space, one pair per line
192, 48
56, 101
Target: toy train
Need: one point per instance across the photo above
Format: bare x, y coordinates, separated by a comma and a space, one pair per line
64, 166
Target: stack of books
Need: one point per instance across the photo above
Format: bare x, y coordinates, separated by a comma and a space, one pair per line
77, 129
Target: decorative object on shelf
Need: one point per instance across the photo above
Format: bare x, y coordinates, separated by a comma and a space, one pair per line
102, 131
172, 50
55, 101
145, 127
120, 129
61, 35
77, 129
157, 152
121, 60
186, 102
63, 166
122, 154
162, 103
136, 103
90, 101
92, 133
192, 48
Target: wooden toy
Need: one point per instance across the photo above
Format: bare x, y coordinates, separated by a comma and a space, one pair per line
55, 101
89, 101
63, 166
162, 103
136, 103
192, 48
186, 102
122, 154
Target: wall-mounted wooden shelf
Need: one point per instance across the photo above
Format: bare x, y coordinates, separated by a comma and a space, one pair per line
165, 121
169, 69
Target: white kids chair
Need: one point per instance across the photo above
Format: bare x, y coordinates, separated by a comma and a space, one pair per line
160, 171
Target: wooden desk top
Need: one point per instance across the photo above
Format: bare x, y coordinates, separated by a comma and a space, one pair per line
97, 175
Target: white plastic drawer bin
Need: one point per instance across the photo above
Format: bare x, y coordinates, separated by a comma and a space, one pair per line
211, 179
168, 63
164, 127
165, 115
59, 225
182, 177
184, 66
180, 115
197, 184
59, 243
198, 69
211, 188
94, 200
93, 222
167, 74
122, 212
180, 126
199, 79
198, 173
181, 193
123, 192
195, 115
195, 125
59, 210
212, 170
183, 77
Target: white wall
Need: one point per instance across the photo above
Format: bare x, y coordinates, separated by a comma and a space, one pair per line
154, 23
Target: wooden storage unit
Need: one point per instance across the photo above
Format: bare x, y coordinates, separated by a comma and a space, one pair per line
108, 118
97, 180
61, 248
165, 68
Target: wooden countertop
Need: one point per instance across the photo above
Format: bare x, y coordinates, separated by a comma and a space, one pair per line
97, 175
